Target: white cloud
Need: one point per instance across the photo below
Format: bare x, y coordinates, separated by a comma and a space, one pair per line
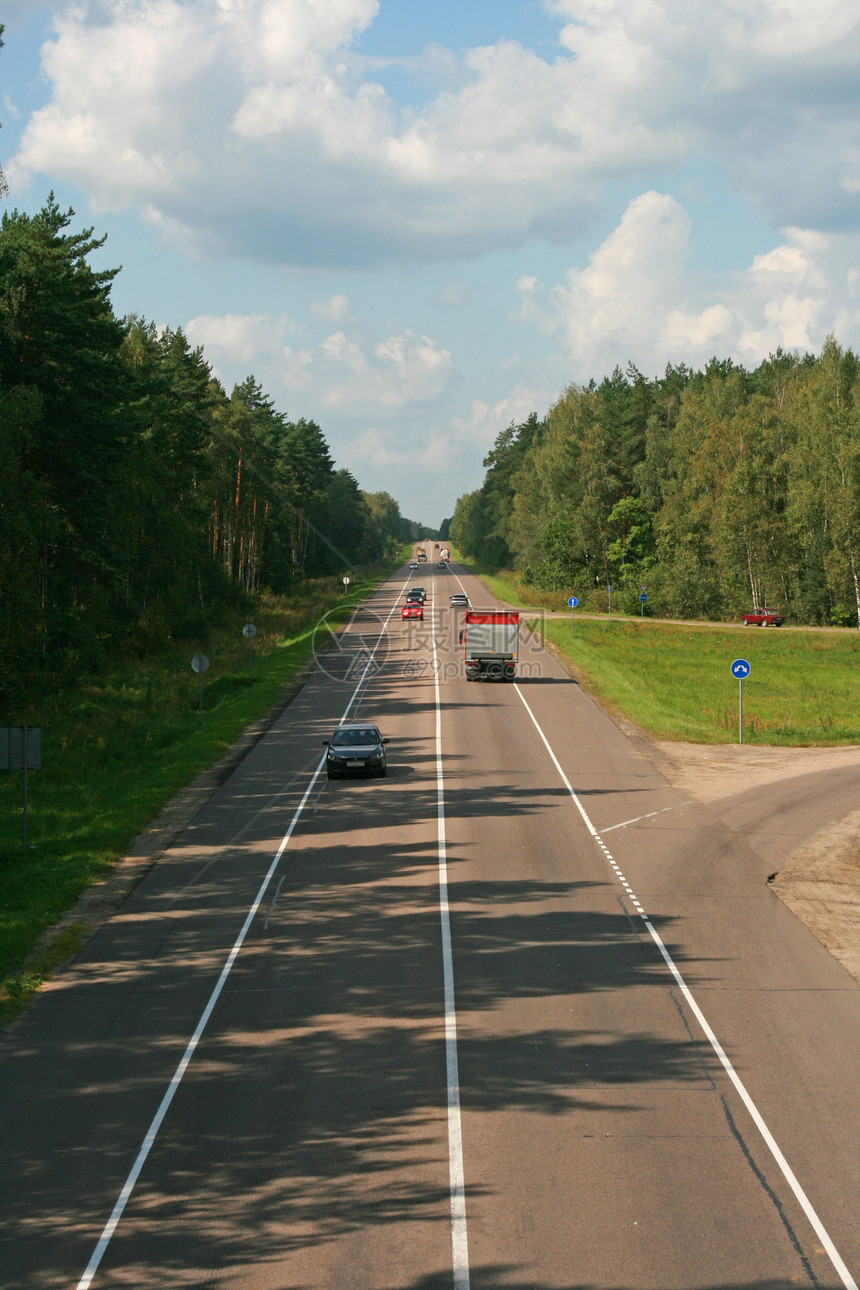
335, 309
487, 420
235, 343
637, 300
255, 126
347, 370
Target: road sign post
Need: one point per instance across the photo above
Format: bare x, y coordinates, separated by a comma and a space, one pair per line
642, 600
250, 631
345, 588
741, 669
200, 663
21, 749
572, 602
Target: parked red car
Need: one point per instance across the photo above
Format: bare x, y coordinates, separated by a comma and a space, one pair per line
413, 610
762, 618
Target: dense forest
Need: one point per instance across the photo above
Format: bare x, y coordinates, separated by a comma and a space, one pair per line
715, 490
136, 496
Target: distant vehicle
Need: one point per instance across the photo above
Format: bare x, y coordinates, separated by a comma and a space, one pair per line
762, 618
413, 565
422, 554
445, 553
490, 640
355, 749
416, 593
459, 599
442, 564
413, 609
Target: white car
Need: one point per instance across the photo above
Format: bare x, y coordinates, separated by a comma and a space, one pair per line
460, 599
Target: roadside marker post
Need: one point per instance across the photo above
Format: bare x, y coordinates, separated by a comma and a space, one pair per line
642, 600
345, 588
572, 602
741, 669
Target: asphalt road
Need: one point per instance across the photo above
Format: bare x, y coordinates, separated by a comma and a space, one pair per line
457, 1034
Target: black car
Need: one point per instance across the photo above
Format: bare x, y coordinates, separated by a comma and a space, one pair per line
356, 749
416, 593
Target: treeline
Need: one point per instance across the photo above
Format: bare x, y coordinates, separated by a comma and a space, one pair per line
716, 490
136, 496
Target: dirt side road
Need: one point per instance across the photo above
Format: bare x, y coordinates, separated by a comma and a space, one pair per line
821, 881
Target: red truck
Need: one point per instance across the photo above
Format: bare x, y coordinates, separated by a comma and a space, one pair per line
762, 618
490, 639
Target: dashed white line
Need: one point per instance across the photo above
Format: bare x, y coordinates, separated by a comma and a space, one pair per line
623, 825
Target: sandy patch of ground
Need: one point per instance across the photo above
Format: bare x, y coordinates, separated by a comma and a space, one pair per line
821, 882
713, 771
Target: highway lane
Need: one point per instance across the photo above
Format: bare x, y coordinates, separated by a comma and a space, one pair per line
300, 1128
307, 1145
709, 1193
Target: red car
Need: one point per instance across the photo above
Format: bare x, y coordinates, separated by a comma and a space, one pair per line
762, 618
413, 610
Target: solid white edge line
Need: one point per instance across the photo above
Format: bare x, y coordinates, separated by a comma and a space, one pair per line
787, 1172
152, 1132
456, 1169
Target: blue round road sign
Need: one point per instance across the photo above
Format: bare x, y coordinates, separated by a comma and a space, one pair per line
643, 598
741, 669
573, 602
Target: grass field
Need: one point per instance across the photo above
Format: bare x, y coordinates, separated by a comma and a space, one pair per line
674, 680
676, 683
118, 747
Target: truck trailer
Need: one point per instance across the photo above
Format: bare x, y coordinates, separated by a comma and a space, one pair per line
445, 554
491, 644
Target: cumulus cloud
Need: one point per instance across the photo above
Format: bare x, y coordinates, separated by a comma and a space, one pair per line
238, 341
637, 299
486, 420
335, 309
347, 370
257, 129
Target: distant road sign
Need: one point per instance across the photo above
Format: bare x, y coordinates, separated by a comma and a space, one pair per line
573, 602
249, 630
643, 598
200, 663
741, 669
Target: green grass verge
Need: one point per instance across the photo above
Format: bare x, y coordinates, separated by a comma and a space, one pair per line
674, 681
118, 746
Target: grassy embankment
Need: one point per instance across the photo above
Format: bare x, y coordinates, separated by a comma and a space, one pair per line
117, 747
674, 680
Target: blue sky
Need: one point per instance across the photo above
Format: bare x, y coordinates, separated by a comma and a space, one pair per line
418, 222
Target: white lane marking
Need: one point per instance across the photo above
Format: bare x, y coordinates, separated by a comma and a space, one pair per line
152, 1132
456, 1170
607, 828
800, 1195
